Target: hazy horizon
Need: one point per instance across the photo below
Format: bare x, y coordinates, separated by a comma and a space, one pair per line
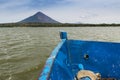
65, 11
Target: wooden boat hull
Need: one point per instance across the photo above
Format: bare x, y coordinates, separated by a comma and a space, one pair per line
72, 56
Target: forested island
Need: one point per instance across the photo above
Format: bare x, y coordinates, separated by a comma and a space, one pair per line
40, 19
56, 25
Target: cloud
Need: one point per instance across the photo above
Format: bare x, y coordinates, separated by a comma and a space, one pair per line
8, 4
16, 10
91, 11
77, 13
29, 4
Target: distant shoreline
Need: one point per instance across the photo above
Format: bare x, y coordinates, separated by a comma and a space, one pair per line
56, 25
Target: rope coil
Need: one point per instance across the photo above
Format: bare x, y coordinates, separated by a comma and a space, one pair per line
86, 73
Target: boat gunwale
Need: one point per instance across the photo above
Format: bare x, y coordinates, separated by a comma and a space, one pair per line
98, 41
49, 62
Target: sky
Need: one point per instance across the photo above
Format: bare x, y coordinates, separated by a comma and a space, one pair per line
65, 11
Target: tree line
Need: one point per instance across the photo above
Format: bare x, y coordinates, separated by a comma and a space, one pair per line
56, 25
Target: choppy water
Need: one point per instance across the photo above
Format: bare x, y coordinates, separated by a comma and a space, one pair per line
23, 51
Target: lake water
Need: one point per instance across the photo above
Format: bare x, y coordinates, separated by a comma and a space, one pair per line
23, 51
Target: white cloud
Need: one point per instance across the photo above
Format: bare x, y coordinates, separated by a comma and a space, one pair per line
86, 11
76, 14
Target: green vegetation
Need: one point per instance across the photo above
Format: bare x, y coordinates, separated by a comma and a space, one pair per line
55, 25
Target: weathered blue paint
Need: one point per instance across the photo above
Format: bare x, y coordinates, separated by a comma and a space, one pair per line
70, 56
80, 66
104, 57
50, 61
63, 35
85, 78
